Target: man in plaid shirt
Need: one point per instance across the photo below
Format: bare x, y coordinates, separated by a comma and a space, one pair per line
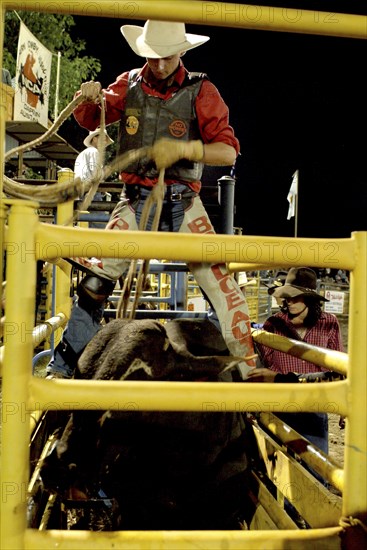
301, 318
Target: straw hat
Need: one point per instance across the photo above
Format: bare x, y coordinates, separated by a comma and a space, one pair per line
88, 140
159, 39
300, 281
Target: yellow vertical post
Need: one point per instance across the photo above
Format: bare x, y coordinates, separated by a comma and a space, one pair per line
3, 214
355, 480
49, 302
2, 146
64, 216
17, 370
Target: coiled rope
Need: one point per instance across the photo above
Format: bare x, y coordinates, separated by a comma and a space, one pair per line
50, 195
55, 126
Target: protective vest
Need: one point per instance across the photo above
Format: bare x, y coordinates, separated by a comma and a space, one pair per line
147, 118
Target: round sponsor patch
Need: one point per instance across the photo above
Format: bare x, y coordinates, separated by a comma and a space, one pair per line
177, 128
132, 125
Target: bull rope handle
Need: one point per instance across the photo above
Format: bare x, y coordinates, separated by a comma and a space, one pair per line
156, 197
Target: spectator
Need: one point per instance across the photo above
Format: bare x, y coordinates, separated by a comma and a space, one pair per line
301, 318
341, 277
87, 165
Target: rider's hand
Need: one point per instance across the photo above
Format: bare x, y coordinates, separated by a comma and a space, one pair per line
166, 152
91, 91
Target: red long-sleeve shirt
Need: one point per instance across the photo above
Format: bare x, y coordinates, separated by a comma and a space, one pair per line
211, 111
326, 334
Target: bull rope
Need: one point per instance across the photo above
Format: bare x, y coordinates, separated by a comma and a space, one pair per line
156, 198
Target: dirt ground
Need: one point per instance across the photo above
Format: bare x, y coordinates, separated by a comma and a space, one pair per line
336, 440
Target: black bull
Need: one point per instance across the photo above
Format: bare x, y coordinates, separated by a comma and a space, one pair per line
166, 470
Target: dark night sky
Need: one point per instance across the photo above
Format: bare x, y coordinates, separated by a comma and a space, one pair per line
296, 102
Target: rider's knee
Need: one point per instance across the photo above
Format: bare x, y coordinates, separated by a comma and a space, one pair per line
93, 290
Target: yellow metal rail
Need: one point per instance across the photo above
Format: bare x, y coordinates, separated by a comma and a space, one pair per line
54, 242
26, 241
328, 538
243, 16
326, 358
312, 456
39, 333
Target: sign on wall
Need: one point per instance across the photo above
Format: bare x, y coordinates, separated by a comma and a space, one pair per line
336, 303
33, 76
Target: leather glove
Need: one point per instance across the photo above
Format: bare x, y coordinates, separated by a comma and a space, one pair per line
91, 90
166, 152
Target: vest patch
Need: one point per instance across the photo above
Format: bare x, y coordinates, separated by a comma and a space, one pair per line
131, 125
177, 128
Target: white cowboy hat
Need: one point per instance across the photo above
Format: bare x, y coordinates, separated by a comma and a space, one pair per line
88, 140
159, 39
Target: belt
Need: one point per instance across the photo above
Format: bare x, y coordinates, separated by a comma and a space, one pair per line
134, 192
176, 197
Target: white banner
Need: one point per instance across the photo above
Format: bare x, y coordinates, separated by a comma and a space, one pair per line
33, 76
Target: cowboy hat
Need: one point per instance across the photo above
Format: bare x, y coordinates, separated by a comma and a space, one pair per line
300, 281
158, 39
278, 281
88, 140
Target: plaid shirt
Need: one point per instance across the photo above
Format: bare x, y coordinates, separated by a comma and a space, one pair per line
326, 334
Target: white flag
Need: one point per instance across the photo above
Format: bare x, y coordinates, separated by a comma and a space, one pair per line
33, 79
292, 194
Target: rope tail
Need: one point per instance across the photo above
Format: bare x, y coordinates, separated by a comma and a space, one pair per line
155, 198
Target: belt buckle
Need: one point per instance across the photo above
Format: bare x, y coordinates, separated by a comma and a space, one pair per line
175, 197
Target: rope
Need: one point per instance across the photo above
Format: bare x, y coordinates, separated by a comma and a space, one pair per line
156, 197
349, 521
58, 122
50, 195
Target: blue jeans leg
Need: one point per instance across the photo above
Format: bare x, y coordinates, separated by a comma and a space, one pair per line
82, 326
